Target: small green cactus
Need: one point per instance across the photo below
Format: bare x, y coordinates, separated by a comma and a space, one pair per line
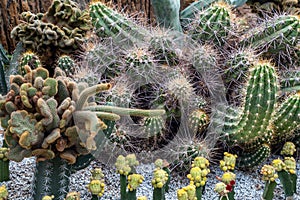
31, 59
269, 175
159, 181
212, 24
198, 121
67, 64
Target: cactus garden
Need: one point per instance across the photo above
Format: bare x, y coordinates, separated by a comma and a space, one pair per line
96, 103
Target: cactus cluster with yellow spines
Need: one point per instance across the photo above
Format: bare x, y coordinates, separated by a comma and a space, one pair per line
187, 193
269, 173
96, 185
3, 193
228, 162
160, 178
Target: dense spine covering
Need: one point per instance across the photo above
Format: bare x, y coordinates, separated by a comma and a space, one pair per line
212, 24
67, 64
278, 34
109, 23
290, 81
31, 59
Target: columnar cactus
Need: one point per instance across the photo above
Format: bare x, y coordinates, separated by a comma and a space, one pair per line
159, 182
167, 13
198, 174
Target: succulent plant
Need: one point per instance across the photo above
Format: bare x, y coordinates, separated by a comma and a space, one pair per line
3, 193
61, 29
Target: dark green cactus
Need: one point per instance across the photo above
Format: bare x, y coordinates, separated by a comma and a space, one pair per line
286, 119
198, 121
4, 164
167, 13
212, 24
247, 160
4, 61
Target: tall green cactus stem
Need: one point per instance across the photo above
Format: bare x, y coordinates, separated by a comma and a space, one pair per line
51, 178
252, 127
167, 13
109, 23
290, 81
31, 59
67, 64
248, 160
4, 164
212, 24
125, 166
164, 165
269, 175
276, 35
286, 120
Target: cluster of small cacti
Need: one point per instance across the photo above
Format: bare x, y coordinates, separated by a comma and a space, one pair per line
129, 180
197, 176
284, 170
225, 188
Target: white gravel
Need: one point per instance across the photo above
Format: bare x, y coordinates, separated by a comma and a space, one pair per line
248, 184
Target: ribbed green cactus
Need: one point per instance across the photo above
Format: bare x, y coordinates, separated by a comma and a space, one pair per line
109, 23
276, 35
247, 160
212, 24
286, 119
198, 121
67, 64
28, 58
252, 128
